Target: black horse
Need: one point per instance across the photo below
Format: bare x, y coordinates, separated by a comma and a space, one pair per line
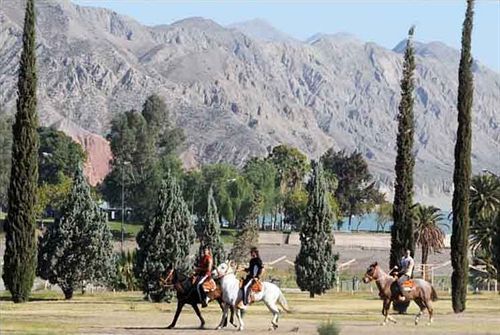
187, 294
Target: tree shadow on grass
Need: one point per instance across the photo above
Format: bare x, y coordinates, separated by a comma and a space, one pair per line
5, 298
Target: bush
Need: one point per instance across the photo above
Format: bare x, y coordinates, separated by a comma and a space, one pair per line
329, 328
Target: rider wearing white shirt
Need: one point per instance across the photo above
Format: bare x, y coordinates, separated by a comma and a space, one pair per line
406, 272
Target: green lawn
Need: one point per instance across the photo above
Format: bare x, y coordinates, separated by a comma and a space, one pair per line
127, 313
130, 229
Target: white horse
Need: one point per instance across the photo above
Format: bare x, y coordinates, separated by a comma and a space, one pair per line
232, 295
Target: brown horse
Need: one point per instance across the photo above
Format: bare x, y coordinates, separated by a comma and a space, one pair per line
420, 291
187, 294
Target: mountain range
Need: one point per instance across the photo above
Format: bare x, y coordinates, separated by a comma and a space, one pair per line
241, 89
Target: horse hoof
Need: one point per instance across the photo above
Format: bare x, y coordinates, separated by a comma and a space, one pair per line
382, 323
428, 323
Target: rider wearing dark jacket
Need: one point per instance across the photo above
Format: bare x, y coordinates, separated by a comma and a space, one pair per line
254, 271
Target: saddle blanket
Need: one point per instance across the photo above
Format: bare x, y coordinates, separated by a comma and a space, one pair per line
256, 286
408, 285
209, 285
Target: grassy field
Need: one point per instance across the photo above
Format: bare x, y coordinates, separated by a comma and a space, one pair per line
127, 313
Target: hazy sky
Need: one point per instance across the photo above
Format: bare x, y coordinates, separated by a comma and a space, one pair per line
383, 22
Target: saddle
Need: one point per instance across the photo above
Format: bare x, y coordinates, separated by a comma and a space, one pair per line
256, 285
408, 285
209, 285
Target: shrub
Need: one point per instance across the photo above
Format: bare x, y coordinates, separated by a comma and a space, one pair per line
329, 328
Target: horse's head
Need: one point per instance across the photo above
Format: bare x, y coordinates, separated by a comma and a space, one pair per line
371, 273
223, 269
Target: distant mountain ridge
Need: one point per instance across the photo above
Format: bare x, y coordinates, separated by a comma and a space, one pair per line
235, 94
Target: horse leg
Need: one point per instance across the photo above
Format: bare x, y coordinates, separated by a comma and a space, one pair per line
240, 319
176, 316
385, 312
221, 305
428, 304
198, 313
231, 319
224, 316
276, 314
421, 305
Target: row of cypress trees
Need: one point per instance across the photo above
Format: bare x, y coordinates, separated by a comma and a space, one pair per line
402, 232
82, 224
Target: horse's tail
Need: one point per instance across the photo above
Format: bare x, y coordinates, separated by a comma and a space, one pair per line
434, 295
284, 304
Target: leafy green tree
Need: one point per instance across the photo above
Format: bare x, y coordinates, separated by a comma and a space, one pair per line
20, 247
233, 194
52, 196
356, 193
291, 165
262, 174
383, 214
295, 206
57, 153
315, 265
77, 247
5, 157
462, 172
402, 231
210, 231
248, 235
428, 234
165, 240
144, 149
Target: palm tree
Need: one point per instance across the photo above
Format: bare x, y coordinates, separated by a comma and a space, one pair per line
428, 235
484, 197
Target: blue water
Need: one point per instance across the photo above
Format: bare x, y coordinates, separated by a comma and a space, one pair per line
368, 222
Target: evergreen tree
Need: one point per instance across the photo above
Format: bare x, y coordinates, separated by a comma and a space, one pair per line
5, 157
462, 173
495, 241
248, 235
210, 230
165, 240
20, 251
402, 231
77, 247
315, 264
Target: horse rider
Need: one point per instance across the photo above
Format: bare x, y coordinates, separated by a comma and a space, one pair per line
253, 271
405, 272
204, 272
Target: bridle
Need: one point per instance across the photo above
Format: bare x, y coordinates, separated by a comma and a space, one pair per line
372, 278
165, 282
228, 271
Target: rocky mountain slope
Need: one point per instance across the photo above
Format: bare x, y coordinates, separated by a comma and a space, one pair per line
235, 94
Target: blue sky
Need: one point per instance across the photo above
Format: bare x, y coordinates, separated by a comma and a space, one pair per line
383, 22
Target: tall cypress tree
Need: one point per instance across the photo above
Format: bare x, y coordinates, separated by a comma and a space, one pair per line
402, 229
210, 230
77, 247
315, 264
462, 173
20, 252
165, 240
